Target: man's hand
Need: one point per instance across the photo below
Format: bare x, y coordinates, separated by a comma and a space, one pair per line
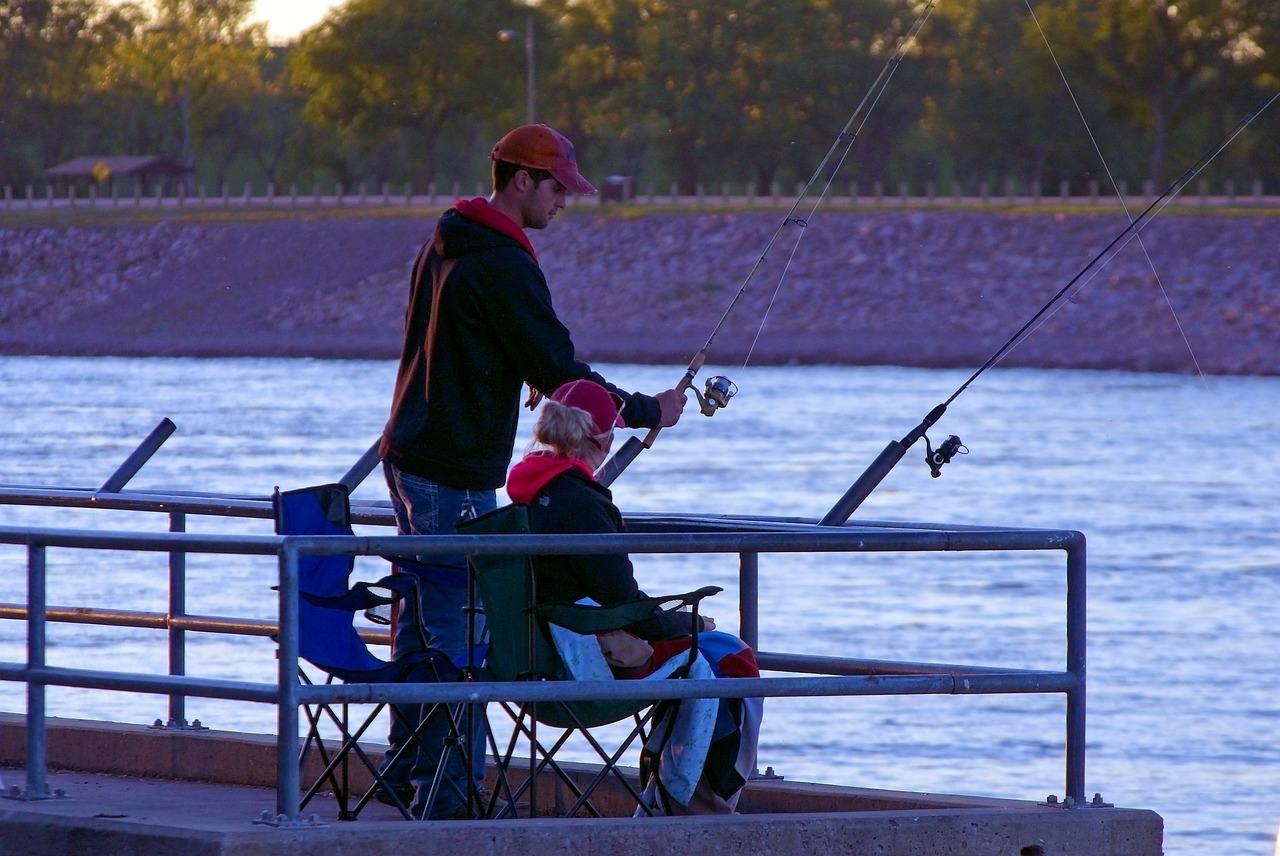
672, 404
534, 398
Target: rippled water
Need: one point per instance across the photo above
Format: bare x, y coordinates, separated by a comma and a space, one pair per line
1173, 480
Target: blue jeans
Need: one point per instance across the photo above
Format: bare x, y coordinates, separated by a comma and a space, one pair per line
424, 507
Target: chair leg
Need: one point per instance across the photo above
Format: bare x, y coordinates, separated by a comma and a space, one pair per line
502, 783
314, 738
611, 765
454, 742
341, 790
351, 744
543, 758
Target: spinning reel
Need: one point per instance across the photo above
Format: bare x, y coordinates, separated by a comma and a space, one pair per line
719, 390
946, 450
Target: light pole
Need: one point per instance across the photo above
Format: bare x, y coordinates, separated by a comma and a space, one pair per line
529, 75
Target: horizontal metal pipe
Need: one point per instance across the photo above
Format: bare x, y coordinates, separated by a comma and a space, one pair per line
140, 683
155, 542
549, 691
161, 621
830, 540
768, 660
814, 541
809, 664
379, 512
190, 503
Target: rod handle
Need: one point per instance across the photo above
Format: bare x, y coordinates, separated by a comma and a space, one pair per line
866, 483
631, 449
613, 467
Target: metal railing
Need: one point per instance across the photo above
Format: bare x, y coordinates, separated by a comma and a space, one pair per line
748, 537
805, 675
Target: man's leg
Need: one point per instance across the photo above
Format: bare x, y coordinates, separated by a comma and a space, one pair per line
424, 507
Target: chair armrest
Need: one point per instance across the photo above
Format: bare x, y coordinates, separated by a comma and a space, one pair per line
581, 618
692, 598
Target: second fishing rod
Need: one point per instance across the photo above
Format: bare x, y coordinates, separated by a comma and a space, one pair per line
720, 389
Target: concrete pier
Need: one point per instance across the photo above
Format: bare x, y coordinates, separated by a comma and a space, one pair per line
127, 789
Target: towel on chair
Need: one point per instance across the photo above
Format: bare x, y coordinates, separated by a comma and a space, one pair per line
684, 754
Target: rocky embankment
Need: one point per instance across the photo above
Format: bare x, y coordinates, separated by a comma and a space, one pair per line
1197, 292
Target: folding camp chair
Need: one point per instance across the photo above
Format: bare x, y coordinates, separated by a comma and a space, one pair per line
329, 640
521, 649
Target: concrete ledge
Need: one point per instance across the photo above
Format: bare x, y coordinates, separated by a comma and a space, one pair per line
233, 758
156, 791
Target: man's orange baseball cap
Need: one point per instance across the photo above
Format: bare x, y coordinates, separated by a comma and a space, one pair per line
542, 147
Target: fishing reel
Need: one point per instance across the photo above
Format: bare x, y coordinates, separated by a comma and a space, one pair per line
946, 450
719, 390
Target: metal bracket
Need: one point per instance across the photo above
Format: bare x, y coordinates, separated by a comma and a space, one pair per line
279, 821
768, 775
1069, 802
175, 725
28, 795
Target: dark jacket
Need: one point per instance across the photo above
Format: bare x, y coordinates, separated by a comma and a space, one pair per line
566, 499
496, 330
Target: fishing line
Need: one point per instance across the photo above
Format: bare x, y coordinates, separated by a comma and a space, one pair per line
848, 136
720, 389
1131, 231
936, 458
878, 91
1115, 185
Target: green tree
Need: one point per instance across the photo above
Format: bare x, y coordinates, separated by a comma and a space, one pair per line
197, 59
390, 77
272, 121
51, 58
1159, 66
993, 108
721, 90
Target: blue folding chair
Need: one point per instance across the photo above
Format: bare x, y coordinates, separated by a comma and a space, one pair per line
329, 640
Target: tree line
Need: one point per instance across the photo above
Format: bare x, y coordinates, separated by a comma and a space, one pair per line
675, 92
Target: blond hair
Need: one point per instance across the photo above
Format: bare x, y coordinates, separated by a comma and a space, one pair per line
565, 430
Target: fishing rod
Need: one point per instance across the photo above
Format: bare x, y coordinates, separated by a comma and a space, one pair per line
952, 446
720, 389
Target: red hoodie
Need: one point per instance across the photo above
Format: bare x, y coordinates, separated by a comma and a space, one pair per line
531, 474
480, 211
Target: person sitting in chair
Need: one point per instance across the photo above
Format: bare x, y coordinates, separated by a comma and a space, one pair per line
555, 480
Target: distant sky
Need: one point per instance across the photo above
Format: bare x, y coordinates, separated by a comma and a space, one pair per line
285, 19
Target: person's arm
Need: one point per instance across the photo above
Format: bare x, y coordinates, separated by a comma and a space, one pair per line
535, 338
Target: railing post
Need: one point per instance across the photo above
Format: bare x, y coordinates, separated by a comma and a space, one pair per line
749, 599
37, 604
1076, 666
177, 608
287, 773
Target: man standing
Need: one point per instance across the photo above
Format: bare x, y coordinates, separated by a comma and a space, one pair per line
479, 326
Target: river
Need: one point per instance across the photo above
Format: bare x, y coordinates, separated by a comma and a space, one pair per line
1173, 479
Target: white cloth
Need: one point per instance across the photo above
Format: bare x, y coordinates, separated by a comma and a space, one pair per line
685, 752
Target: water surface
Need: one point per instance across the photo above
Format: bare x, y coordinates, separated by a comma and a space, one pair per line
1173, 480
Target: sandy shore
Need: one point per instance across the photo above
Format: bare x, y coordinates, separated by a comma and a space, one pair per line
1196, 292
